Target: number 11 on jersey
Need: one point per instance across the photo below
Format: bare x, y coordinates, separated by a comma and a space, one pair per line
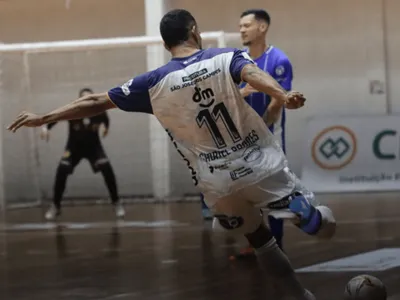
210, 120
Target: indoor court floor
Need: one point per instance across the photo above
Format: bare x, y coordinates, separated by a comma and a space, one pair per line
167, 252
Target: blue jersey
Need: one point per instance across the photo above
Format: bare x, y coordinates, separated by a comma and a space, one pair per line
275, 62
223, 141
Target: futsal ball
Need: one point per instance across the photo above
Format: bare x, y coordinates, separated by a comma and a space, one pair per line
365, 287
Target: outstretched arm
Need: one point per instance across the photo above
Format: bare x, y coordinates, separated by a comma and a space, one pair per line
87, 106
132, 96
106, 122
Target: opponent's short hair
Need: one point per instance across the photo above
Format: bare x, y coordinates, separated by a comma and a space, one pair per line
259, 14
175, 27
85, 90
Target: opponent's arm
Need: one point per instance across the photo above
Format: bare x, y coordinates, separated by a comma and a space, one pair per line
247, 90
86, 106
45, 134
50, 125
105, 120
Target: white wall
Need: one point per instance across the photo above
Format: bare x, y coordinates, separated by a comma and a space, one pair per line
392, 39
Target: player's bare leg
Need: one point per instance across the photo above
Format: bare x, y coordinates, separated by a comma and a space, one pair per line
276, 228
240, 217
276, 264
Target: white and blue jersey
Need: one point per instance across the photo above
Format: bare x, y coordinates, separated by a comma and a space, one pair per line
275, 62
225, 144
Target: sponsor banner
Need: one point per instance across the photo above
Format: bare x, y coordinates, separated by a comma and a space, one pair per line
352, 154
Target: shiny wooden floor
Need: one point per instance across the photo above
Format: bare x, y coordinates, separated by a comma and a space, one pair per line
168, 252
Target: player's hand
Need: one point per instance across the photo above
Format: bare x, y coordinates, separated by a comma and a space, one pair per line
247, 90
45, 134
294, 100
26, 119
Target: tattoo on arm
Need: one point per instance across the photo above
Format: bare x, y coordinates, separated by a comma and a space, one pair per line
263, 82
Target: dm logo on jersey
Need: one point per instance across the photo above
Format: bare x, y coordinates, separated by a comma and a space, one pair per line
205, 94
334, 148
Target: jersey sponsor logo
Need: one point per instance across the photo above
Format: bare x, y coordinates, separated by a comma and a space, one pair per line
205, 94
239, 173
219, 167
195, 80
194, 75
125, 87
252, 153
228, 222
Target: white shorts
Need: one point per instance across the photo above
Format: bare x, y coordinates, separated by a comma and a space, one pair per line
241, 210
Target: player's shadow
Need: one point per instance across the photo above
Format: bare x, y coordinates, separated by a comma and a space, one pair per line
112, 249
61, 243
114, 243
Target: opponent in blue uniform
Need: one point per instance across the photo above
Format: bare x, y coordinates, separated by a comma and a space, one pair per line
254, 26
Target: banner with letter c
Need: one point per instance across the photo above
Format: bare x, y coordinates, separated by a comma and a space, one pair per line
344, 154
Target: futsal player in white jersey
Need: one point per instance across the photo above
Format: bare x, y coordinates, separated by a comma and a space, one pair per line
233, 158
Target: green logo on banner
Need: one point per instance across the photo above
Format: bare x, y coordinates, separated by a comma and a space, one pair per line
334, 147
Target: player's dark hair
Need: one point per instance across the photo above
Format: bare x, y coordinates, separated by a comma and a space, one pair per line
259, 14
85, 90
175, 27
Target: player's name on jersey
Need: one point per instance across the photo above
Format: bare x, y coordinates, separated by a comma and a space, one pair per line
194, 78
250, 140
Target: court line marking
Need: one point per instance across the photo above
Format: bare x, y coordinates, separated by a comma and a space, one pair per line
146, 249
347, 240
160, 224
121, 296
